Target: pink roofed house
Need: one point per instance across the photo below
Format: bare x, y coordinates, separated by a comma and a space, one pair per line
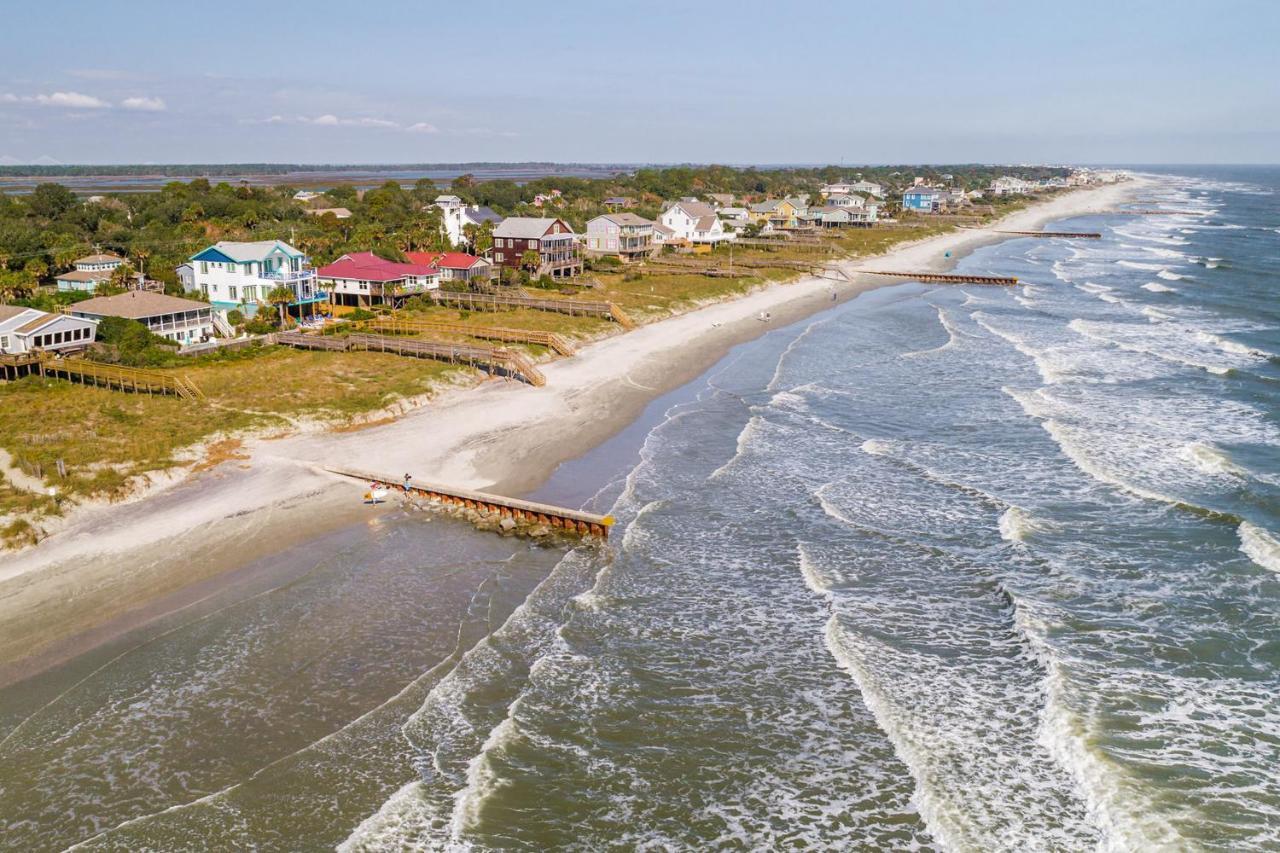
363, 279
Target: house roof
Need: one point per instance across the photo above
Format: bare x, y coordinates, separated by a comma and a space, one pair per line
477, 215
706, 223
366, 266
527, 227
84, 275
694, 209
20, 319
136, 305
340, 212
767, 206
618, 199
445, 260
102, 258
659, 228
226, 250
923, 191
624, 219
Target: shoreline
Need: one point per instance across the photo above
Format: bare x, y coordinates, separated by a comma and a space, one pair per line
114, 568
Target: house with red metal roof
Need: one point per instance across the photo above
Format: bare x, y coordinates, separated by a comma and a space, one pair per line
454, 266
362, 279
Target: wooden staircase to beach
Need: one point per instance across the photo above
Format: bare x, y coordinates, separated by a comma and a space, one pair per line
117, 378
490, 359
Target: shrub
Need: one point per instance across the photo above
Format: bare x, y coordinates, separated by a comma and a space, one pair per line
259, 326
361, 314
235, 317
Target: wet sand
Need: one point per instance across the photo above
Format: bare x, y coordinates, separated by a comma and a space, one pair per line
115, 568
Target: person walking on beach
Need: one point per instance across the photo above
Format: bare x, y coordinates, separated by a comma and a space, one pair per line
407, 481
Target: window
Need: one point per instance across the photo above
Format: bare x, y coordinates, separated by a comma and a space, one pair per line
250, 294
4, 342
204, 267
499, 257
231, 290
248, 269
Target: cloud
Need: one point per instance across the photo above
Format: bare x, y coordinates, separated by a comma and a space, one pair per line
331, 120
69, 100
153, 105
422, 127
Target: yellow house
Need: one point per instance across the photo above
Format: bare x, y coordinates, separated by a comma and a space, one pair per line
780, 213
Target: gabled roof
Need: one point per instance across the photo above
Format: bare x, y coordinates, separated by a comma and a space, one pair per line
366, 266
924, 191
706, 223
478, 215
102, 258
624, 219
694, 209
619, 199
23, 320
770, 205
240, 253
528, 227
445, 260
84, 275
136, 305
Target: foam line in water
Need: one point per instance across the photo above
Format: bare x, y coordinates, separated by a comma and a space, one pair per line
1261, 546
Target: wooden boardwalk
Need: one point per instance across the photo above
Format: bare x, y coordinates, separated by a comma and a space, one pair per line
113, 377
571, 521
498, 301
488, 358
947, 278
399, 324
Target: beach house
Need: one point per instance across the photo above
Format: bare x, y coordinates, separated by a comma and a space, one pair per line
1009, 185
88, 272
454, 266
550, 238
457, 215
623, 235
694, 222
363, 279
619, 202
781, 213
183, 320
242, 275
922, 199
27, 330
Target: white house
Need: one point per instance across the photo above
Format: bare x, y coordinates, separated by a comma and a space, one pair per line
234, 275
732, 215
1009, 185
695, 222
457, 216
24, 330
183, 320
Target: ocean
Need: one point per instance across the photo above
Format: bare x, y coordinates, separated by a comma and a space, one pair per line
942, 568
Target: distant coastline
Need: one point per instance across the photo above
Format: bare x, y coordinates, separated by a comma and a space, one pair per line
147, 178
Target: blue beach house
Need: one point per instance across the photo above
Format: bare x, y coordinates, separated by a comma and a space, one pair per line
243, 275
922, 199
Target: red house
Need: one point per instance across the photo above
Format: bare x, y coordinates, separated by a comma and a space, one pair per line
454, 266
551, 238
363, 279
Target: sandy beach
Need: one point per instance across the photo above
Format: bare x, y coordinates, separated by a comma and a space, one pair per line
114, 567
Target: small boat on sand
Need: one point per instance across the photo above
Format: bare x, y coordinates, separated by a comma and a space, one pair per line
377, 494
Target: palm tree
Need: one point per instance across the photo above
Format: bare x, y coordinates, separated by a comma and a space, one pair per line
392, 290
280, 296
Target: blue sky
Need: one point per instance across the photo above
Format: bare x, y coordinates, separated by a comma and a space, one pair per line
731, 82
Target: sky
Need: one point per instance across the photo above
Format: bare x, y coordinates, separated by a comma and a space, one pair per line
738, 82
